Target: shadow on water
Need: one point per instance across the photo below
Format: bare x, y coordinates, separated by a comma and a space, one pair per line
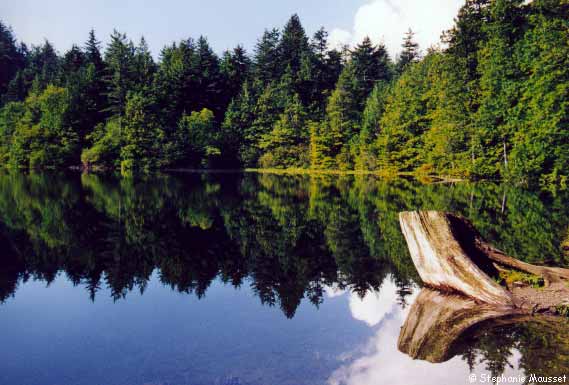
289, 237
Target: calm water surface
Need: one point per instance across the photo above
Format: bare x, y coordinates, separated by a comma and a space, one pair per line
253, 279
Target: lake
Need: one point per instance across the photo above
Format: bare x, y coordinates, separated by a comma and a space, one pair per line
250, 279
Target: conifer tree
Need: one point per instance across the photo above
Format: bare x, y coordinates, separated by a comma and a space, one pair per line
11, 58
235, 68
286, 145
140, 134
144, 66
267, 65
235, 130
293, 45
120, 77
410, 53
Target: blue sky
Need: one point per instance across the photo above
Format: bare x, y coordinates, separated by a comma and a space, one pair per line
226, 23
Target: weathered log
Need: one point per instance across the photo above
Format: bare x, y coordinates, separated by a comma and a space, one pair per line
442, 261
450, 255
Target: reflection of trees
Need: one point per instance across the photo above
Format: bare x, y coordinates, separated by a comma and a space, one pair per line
542, 342
291, 236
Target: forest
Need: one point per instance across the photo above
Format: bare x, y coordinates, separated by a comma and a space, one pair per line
490, 102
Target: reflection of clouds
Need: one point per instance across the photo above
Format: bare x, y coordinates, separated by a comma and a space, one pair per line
334, 291
374, 306
381, 362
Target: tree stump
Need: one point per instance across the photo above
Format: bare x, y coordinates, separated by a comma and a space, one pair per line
451, 256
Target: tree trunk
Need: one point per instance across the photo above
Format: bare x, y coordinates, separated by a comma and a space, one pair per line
450, 255
442, 261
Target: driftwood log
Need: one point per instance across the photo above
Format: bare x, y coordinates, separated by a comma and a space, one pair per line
452, 257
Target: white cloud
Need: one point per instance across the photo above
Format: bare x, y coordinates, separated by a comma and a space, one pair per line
387, 21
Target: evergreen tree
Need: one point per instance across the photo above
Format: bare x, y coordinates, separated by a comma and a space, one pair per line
466, 35
410, 53
120, 77
333, 137
17, 88
320, 69
540, 137
235, 69
93, 52
286, 145
144, 66
239, 117
72, 61
292, 46
141, 135
94, 90
209, 83
43, 67
370, 127
267, 65
499, 87
371, 64
11, 58
174, 82
404, 121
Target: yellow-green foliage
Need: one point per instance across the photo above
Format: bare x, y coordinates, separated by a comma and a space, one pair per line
512, 276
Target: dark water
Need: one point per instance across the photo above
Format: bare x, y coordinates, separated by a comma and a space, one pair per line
251, 279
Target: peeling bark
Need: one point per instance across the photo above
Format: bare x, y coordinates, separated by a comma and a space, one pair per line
442, 261
450, 255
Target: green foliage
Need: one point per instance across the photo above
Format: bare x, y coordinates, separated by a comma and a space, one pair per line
405, 120
10, 115
286, 146
512, 276
11, 58
410, 53
120, 64
370, 128
493, 104
290, 236
105, 152
199, 138
42, 136
332, 137
140, 135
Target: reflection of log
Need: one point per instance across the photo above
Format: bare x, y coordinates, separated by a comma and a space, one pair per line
450, 255
436, 322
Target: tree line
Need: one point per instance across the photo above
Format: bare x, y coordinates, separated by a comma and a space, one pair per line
492, 103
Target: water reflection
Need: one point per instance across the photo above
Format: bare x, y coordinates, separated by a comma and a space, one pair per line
379, 360
287, 238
